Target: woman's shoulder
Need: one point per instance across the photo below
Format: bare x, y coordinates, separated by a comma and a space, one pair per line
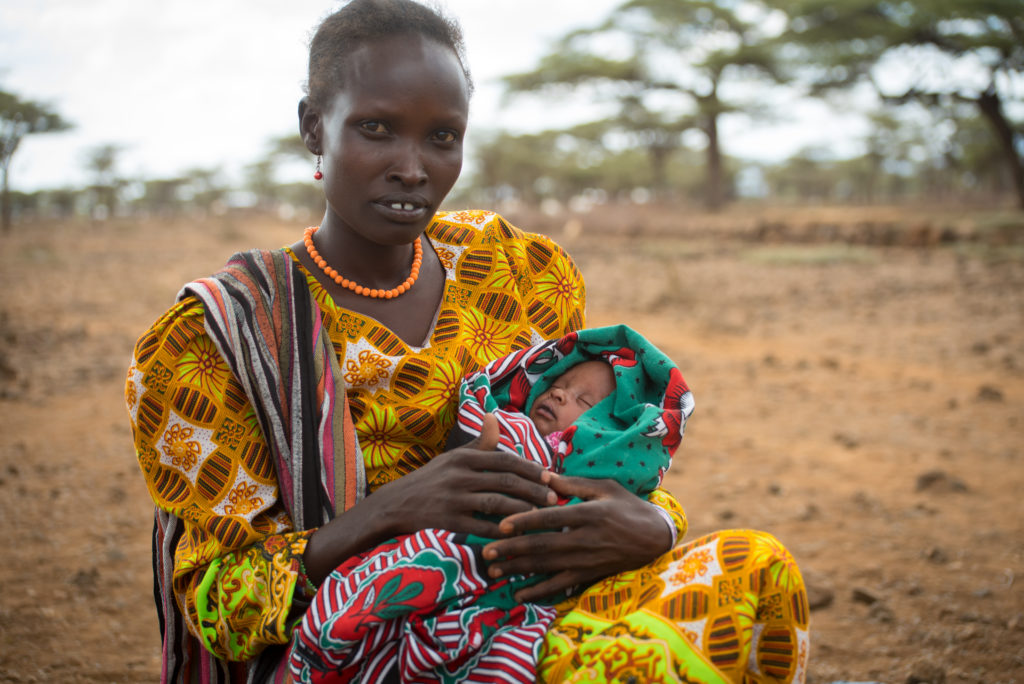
178, 328
468, 228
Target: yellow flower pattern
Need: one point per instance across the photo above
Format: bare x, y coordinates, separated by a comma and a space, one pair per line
485, 338
476, 218
557, 287
131, 394
443, 386
366, 369
693, 566
243, 500
785, 571
201, 365
475, 324
446, 257
377, 436
183, 451
501, 277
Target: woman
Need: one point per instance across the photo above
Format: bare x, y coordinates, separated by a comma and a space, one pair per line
276, 395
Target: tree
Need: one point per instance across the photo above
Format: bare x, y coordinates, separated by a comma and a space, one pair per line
937, 53
19, 118
290, 146
259, 179
102, 160
204, 188
162, 196
566, 164
680, 57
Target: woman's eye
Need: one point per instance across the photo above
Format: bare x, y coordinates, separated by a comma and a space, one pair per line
446, 136
374, 127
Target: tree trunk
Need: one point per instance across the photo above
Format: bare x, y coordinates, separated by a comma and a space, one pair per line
5, 201
992, 109
713, 199
658, 155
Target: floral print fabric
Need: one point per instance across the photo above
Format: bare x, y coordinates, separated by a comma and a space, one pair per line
726, 607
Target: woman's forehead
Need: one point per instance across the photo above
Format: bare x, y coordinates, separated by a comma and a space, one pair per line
397, 64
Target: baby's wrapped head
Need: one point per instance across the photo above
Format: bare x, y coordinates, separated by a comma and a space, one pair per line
599, 403
575, 392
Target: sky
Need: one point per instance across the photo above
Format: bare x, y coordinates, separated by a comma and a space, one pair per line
207, 83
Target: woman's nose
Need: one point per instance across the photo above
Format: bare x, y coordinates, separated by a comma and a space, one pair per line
408, 167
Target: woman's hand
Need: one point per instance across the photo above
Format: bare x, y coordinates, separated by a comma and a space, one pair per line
611, 531
446, 493
452, 488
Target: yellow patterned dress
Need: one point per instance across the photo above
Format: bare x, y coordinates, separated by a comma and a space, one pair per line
235, 570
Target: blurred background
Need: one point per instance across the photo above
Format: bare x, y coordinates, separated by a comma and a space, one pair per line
113, 108
813, 206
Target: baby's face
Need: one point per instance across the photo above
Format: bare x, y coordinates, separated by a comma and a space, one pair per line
578, 389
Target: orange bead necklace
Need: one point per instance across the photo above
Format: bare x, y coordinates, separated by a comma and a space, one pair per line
417, 259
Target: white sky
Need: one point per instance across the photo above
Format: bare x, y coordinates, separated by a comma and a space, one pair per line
204, 83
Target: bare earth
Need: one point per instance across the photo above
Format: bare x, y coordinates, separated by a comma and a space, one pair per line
863, 403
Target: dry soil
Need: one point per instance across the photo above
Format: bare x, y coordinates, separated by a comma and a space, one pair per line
860, 401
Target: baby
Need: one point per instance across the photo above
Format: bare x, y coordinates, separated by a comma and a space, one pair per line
599, 403
578, 389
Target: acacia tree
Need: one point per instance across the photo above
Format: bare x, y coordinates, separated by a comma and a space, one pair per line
680, 57
102, 161
19, 118
937, 53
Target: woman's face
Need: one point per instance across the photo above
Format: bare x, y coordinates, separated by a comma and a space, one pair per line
391, 138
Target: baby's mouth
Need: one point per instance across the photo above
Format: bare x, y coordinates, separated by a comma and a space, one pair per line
545, 410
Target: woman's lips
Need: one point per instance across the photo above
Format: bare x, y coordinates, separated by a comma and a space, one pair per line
402, 212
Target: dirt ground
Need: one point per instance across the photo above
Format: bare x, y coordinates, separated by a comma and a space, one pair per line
860, 401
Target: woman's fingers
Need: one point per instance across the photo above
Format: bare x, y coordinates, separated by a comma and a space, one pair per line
563, 567
540, 552
454, 489
584, 488
497, 505
500, 473
550, 518
611, 530
564, 516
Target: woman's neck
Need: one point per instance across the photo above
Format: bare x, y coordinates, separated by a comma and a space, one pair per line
369, 264
409, 316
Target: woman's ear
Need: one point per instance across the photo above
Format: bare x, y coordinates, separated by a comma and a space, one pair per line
309, 126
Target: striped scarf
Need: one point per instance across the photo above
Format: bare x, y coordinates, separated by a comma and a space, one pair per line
266, 325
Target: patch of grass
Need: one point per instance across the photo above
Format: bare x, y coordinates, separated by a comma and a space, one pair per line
809, 255
991, 254
1001, 221
670, 249
38, 253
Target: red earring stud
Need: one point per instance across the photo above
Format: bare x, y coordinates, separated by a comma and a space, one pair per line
317, 174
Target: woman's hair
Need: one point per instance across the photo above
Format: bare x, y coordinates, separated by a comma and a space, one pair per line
361, 21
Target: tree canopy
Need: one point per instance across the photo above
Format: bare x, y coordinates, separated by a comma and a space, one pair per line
935, 53
676, 60
19, 118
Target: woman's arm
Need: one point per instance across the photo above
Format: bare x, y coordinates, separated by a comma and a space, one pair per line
445, 493
236, 565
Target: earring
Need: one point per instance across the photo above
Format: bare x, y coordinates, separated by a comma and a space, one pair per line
317, 174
